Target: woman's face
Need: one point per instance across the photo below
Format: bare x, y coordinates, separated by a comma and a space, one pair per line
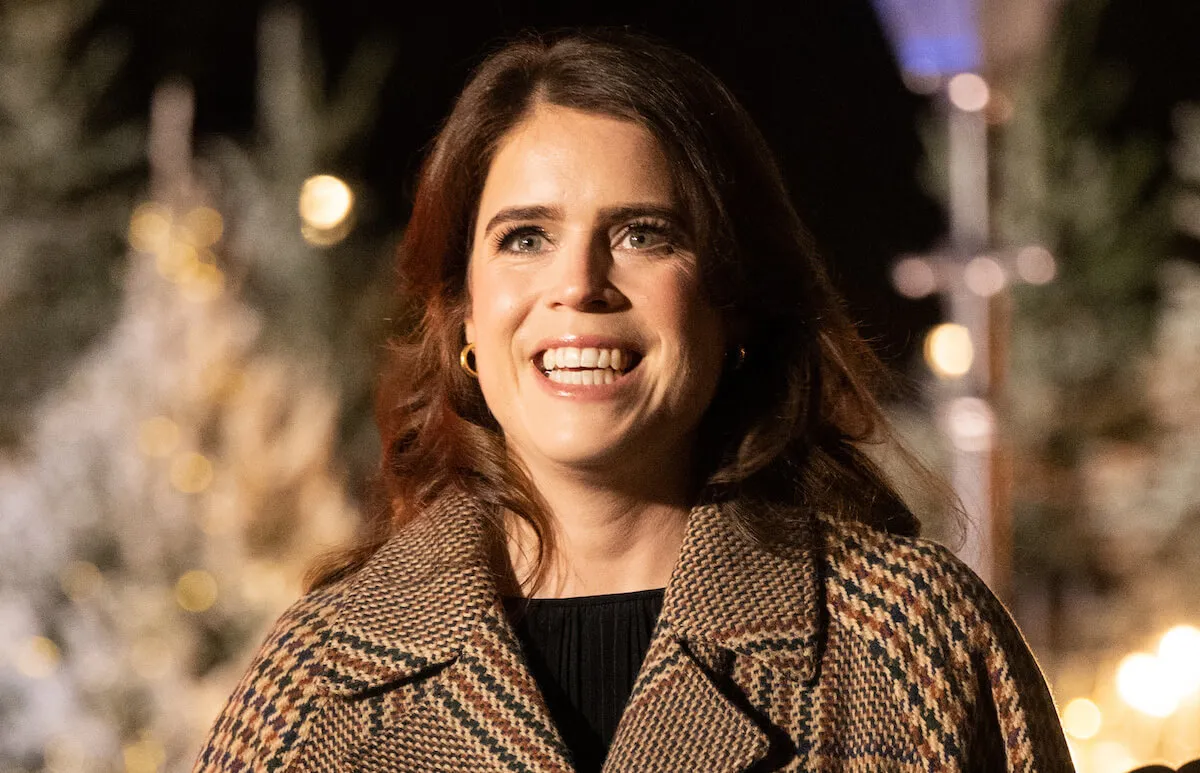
595, 346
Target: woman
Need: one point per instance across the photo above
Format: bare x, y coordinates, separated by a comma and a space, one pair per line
624, 481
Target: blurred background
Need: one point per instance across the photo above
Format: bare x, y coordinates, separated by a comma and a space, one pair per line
199, 207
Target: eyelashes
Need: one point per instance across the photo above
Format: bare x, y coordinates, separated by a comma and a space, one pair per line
503, 239
663, 235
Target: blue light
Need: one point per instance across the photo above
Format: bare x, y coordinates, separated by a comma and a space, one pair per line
932, 37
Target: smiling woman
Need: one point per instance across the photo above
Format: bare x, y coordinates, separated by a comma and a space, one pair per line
628, 521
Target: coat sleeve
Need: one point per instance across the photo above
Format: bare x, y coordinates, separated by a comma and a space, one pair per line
1015, 723
265, 719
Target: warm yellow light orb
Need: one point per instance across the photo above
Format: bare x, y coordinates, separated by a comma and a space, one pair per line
150, 227
144, 756
191, 473
1179, 654
203, 226
1081, 718
325, 202
949, 351
196, 591
1144, 684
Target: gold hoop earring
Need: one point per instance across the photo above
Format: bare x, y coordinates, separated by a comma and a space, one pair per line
465, 362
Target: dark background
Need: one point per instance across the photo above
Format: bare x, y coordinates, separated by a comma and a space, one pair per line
821, 81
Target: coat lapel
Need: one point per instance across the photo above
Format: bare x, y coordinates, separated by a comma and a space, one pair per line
727, 598
424, 614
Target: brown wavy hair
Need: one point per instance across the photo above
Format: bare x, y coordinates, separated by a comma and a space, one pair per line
781, 439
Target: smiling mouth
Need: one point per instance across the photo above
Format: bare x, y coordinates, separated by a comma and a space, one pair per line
586, 365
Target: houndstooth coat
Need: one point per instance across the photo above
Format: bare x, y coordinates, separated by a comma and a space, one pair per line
859, 652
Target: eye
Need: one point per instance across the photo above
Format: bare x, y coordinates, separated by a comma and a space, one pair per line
526, 238
646, 237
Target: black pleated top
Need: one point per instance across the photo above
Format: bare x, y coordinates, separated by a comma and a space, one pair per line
585, 653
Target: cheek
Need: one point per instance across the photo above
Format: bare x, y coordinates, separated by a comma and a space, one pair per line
496, 312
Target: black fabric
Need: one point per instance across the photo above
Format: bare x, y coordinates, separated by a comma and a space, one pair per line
585, 653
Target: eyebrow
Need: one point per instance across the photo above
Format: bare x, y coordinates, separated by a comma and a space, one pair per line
607, 215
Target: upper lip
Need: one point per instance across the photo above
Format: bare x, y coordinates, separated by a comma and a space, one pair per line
586, 341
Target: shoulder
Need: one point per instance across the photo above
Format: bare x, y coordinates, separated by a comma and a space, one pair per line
263, 718
929, 622
915, 595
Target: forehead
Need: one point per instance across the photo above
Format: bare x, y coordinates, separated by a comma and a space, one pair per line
563, 156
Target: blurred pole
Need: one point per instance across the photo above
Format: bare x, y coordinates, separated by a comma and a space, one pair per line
937, 43
966, 409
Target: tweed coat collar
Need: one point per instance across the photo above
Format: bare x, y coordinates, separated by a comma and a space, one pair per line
428, 599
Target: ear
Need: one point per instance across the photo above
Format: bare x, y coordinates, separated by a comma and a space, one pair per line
469, 330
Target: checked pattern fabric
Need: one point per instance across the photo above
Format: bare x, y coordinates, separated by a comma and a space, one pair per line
854, 652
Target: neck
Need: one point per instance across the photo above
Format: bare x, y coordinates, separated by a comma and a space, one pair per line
606, 539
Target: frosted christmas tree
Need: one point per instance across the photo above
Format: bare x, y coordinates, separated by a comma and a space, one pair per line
169, 492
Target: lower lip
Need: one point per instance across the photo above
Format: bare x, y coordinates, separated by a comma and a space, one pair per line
585, 391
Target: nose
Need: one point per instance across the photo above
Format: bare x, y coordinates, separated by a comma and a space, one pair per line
583, 279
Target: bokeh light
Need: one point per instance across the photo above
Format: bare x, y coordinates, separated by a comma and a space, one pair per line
325, 202
1144, 684
1036, 265
914, 278
1081, 718
203, 226
191, 473
971, 424
144, 756
984, 276
949, 351
196, 591
968, 92
205, 282
150, 227
1179, 656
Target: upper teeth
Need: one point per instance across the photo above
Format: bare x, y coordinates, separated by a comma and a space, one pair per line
590, 357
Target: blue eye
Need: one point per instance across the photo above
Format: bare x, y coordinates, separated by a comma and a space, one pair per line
647, 237
522, 239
